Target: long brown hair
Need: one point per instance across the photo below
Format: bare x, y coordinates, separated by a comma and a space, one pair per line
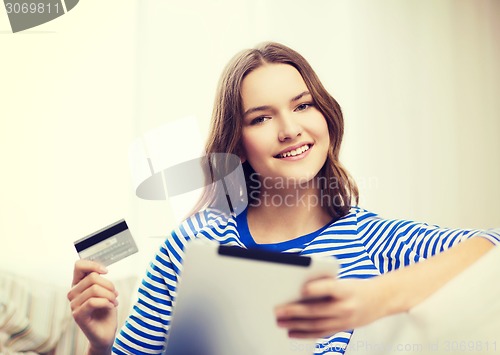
227, 121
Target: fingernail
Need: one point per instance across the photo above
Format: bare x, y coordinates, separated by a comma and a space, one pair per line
281, 324
305, 291
103, 269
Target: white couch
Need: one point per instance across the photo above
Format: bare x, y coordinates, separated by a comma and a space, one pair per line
463, 317
35, 317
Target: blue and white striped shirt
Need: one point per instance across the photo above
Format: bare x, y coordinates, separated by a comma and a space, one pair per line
364, 244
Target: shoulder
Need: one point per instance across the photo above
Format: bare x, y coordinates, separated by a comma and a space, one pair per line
358, 216
363, 221
351, 222
361, 213
211, 224
208, 224
370, 222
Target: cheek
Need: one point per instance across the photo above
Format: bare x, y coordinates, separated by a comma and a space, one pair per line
319, 128
251, 145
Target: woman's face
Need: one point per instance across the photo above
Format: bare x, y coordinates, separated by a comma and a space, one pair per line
284, 135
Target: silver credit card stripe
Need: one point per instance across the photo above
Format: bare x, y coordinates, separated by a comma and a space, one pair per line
113, 253
96, 248
108, 259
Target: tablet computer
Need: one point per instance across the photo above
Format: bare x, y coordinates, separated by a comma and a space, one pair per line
226, 299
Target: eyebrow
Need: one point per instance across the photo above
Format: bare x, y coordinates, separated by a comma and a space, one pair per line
299, 96
267, 107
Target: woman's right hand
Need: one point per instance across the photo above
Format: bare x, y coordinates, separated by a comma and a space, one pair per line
93, 304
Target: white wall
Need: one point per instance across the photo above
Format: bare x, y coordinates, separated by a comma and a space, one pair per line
418, 82
66, 119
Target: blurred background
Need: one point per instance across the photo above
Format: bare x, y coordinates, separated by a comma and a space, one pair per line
418, 81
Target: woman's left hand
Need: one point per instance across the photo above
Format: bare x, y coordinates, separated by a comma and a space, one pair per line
331, 305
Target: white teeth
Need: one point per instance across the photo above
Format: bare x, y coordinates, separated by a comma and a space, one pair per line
295, 152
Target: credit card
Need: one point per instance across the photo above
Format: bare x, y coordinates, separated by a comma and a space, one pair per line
108, 245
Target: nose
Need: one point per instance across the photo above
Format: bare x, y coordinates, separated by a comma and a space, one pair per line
288, 129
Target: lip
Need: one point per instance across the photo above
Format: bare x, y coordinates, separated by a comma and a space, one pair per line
293, 147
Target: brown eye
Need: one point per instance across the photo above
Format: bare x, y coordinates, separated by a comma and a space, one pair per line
259, 120
303, 106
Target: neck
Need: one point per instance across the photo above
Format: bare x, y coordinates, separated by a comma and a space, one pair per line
286, 214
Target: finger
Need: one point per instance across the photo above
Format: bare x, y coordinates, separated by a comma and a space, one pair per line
311, 327
88, 308
307, 309
319, 288
314, 335
88, 281
319, 276
84, 267
94, 291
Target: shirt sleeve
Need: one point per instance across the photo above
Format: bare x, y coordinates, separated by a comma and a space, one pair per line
146, 328
395, 243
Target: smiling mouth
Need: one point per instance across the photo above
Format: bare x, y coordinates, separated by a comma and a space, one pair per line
294, 152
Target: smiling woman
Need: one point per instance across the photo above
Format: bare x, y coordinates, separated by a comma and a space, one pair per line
272, 92
302, 131
272, 111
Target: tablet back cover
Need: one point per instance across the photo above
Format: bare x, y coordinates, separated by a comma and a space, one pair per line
225, 303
